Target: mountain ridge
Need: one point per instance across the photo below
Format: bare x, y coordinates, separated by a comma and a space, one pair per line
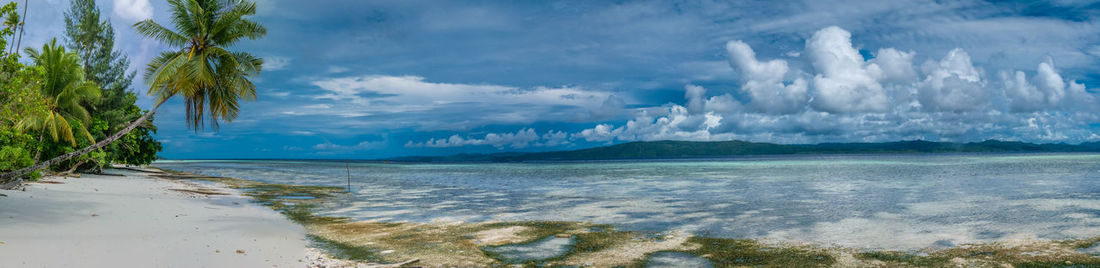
668, 149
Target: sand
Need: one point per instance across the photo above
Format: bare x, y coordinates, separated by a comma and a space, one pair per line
138, 221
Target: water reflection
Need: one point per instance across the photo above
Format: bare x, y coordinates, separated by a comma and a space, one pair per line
887, 202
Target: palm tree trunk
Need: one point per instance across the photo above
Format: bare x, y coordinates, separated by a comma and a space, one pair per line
38, 152
13, 179
20, 42
73, 169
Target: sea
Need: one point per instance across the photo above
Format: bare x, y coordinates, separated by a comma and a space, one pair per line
881, 202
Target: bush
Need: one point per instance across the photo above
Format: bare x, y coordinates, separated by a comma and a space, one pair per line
12, 158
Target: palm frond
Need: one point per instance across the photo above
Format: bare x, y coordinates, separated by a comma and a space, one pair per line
210, 79
155, 31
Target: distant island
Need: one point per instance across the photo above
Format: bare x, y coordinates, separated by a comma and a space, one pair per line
718, 149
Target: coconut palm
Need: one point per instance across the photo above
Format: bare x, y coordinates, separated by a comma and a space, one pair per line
66, 91
211, 79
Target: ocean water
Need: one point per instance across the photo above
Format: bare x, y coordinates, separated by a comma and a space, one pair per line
898, 202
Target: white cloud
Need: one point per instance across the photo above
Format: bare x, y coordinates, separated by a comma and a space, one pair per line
696, 96
953, 84
415, 91
412, 101
882, 99
336, 148
896, 65
763, 81
675, 123
518, 140
553, 139
133, 10
1046, 91
275, 63
845, 83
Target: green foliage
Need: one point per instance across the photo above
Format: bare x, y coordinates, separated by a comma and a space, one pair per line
19, 93
19, 98
12, 158
66, 92
211, 79
91, 36
13, 150
10, 23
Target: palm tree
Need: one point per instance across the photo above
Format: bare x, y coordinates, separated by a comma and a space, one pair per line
211, 79
66, 91
11, 23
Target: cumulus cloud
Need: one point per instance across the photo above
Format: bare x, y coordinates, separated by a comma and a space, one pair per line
1047, 90
896, 65
673, 123
850, 98
953, 84
881, 99
845, 82
133, 10
516, 140
764, 82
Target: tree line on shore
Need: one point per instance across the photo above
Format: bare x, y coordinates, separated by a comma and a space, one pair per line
68, 106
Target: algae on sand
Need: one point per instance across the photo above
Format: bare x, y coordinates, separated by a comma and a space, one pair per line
598, 245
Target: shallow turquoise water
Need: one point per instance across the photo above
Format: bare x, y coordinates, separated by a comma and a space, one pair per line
542, 249
868, 201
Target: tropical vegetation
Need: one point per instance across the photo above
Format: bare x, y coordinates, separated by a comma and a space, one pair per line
78, 95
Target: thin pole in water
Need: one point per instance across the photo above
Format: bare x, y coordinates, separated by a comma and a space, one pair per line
348, 167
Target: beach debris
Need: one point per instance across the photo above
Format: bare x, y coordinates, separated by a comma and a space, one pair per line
240, 251
3, 195
95, 215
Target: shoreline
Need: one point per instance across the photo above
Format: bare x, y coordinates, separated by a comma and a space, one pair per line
461, 244
139, 220
153, 217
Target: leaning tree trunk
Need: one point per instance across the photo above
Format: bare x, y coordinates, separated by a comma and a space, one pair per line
13, 179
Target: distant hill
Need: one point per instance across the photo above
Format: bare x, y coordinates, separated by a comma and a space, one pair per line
694, 149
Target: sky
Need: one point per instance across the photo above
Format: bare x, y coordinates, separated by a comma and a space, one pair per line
374, 79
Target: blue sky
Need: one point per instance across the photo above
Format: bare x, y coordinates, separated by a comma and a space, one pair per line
371, 79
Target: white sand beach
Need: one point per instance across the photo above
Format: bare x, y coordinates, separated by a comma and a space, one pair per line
140, 221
